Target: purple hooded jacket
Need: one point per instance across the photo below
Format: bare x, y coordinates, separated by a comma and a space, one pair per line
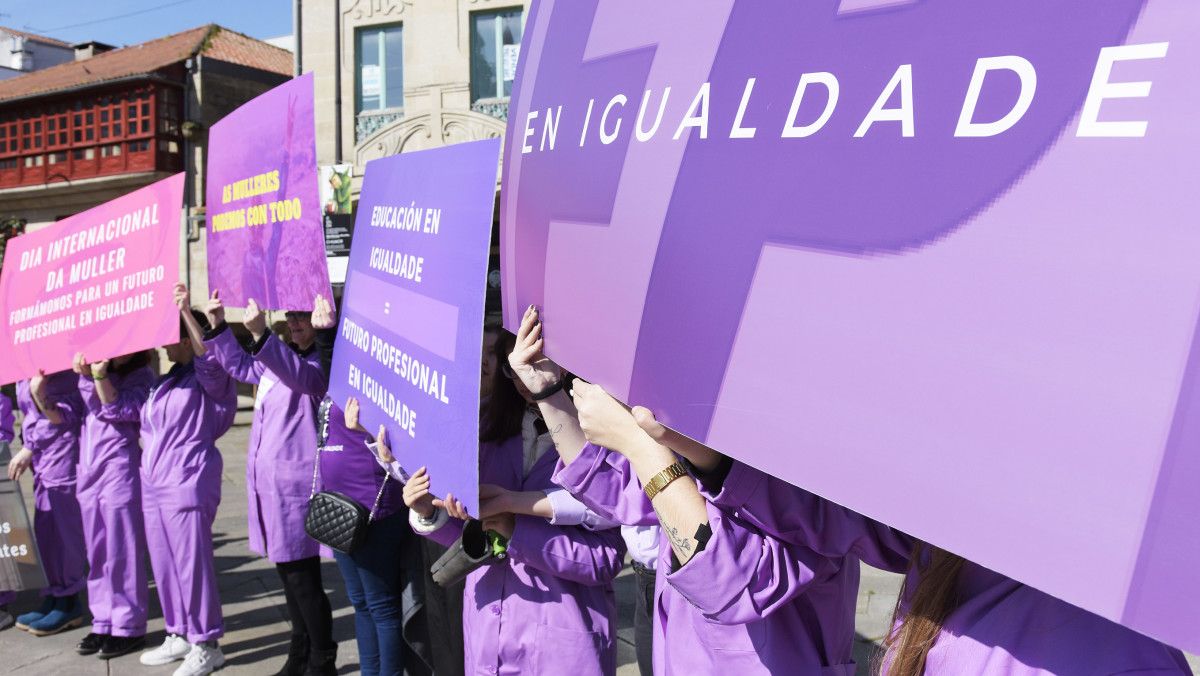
549, 607
6, 419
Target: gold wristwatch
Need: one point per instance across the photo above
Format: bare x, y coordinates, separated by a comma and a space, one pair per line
661, 480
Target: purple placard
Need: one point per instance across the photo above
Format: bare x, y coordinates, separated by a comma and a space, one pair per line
954, 286
265, 235
411, 333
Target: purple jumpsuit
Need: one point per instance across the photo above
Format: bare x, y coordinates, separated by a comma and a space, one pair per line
1000, 626
189, 409
6, 437
283, 441
57, 522
549, 607
748, 603
110, 497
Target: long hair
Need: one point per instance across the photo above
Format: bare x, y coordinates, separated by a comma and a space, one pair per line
922, 611
504, 410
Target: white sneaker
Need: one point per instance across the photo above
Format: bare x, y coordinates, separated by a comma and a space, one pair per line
174, 648
202, 660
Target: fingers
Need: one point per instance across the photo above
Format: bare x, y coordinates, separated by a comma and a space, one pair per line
382, 436
649, 424
215, 295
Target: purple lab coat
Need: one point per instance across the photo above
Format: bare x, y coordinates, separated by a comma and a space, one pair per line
188, 410
748, 602
549, 607
1004, 627
57, 522
283, 440
110, 498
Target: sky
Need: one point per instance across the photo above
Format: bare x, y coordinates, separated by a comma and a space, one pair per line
128, 22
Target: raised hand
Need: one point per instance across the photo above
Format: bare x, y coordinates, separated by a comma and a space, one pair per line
527, 359
37, 386
99, 369
183, 297
385, 451
698, 454
254, 319
417, 496
81, 366
322, 315
351, 413
604, 420
214, 309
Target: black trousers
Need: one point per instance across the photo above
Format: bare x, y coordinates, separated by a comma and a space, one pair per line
307, 604
444, 615
643, 618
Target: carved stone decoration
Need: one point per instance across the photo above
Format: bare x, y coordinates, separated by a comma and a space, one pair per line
366, 9
427, 130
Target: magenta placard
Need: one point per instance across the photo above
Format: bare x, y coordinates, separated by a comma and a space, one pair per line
265, 238
98, 282
934, 260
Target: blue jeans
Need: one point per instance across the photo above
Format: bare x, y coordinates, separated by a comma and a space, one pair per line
373, 583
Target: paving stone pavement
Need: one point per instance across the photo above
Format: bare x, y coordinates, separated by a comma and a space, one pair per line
256, 625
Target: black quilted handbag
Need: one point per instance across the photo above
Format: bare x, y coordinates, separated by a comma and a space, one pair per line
336, 520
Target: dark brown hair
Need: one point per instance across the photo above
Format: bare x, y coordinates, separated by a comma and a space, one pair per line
136, 361
504, 410
922, 611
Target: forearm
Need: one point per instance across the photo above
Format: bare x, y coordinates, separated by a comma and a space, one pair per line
558, 412
679, 506
48, 408
530, 503
195, 333
105, 390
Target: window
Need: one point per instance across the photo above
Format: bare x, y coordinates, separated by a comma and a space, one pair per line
380, 56
495, 46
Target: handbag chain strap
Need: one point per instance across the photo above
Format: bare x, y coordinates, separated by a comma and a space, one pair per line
317, 468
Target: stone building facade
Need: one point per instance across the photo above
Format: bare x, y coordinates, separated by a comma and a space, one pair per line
393, 76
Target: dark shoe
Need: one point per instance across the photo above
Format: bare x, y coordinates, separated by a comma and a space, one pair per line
91, 644
115, 646
297, 659
26, 619
67, 614
322, 663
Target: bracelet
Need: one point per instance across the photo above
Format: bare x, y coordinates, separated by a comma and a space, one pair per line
663, 479
549, 391
99, 377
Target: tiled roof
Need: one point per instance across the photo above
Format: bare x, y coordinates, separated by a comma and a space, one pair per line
35, 37
212, 41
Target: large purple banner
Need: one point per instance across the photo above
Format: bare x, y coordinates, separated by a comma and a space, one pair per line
265, 234
411, 334
934, 260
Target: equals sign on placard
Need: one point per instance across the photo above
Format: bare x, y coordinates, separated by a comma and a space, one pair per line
387, 308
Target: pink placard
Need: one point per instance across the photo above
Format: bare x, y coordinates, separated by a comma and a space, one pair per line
98, 282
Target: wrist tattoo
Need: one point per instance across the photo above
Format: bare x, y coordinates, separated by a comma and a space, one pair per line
682, 543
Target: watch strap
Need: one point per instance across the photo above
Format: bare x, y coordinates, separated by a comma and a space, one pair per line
663, 479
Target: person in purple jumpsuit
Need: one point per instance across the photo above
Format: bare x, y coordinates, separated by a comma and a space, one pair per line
189, 408
279, 462
382, 576
6, 437
110, 497
52, 413
729, 596
548, 607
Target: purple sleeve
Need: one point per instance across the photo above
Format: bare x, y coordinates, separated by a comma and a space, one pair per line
744, 575
213, 378
6, 419
300, 374
87, 392
800, 518
445, 535
224, 347
66, 399
569, 511
131, 395
572, 553
604, 482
